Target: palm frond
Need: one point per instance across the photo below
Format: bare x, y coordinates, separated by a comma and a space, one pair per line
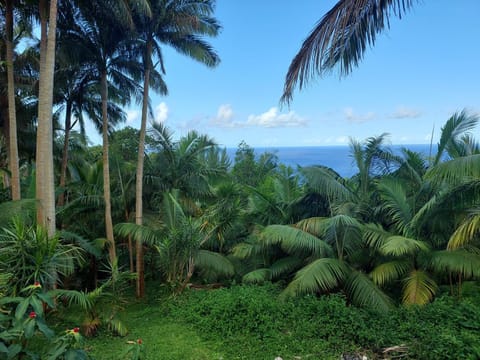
341, 38
325, 182
459, 262
418, 289
465, 233
457, 125
285, 266
390, 271
399, 246
257, 276
294, 240
363, 292
144, 234
375, 236
321, 275
215, 262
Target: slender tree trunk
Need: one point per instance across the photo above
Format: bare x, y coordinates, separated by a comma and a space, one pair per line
45, 186
106, 171
63, 172
12, 117
139, 175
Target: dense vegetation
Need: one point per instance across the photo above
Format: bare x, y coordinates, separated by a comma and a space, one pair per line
329, 265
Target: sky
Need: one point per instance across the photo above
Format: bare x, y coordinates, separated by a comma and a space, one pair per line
419, 73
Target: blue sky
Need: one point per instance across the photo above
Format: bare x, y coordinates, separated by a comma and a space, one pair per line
419, 73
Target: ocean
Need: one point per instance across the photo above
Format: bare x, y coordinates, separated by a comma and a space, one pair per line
336, 157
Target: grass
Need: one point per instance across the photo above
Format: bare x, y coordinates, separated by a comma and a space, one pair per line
162, 337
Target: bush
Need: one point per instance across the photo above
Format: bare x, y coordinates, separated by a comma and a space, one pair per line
252, 323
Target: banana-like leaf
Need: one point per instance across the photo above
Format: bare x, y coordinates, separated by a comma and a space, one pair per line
363, 292
321, 275
390, 271
257, 276
459, 262
418, 289
214, 261
399, 245
293, 240
465, 233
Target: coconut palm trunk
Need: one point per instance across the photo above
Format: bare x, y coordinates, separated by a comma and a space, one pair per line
106, 170
63, 171
44, 158
139, 178
12, 119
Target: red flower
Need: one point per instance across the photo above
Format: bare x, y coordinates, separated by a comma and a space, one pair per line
76, 329
32, 315
139, 341
37, 284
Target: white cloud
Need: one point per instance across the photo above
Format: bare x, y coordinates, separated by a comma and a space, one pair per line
273, 119
132, 116
351, 116
224, 116
161, 112
404, 112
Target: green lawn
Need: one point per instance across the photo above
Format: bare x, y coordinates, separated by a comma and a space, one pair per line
161, 336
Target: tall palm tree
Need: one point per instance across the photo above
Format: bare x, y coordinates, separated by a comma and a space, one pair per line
12, 120
45, 186
340, 38
103, 41
179, 24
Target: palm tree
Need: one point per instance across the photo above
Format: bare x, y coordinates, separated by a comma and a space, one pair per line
13, 146
103, 41
180, 25
341, 38
45, 186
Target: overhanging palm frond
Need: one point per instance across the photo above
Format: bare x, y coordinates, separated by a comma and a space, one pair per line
418, 289
341, 38
399, 245
85, 244
215, 262
294, 240
363, 292
390, 271
321, 275
459, 262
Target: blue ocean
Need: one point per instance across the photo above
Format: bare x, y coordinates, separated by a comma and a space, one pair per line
336, 157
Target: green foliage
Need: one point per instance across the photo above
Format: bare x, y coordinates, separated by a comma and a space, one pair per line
249, 322
22, 320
